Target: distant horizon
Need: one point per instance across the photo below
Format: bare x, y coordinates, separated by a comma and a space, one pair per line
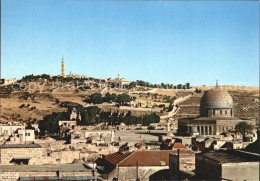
212, 84
168, 41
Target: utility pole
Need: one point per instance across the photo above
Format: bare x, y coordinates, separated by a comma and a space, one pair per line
137, 170
117, 172
178, 163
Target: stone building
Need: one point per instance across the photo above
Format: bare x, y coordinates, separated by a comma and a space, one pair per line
216, 114
118, 82
170, 144
7, 81
181, 162
75, 171
22, 136
227, 165
7, 130
28, 154
67, 125
62, 157
143, 165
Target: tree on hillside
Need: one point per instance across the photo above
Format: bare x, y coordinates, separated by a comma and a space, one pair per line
110, 97
87, 114
92, 111
96, 98
131, 85
179, 86
107, 98
50, 123
123, 98
152, 118
113, 97
187, 85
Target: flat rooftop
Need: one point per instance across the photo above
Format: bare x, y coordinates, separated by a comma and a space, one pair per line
20, 146
79, 167
231, 156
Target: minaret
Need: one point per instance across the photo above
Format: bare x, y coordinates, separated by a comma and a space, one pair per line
119, 75
216, 83
62, 68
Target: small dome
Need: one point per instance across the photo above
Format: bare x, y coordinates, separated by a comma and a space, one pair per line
216, 98
122, 124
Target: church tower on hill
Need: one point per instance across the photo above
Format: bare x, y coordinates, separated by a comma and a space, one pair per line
62, 68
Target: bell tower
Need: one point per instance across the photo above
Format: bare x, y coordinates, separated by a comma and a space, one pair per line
62, 67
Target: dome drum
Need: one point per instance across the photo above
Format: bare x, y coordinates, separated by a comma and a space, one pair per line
210, 112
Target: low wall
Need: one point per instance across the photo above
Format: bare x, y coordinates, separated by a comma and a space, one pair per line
9, 176
14, 176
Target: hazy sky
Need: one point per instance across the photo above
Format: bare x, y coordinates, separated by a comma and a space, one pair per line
171, 42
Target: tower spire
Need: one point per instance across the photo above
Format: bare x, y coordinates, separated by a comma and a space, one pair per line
62, 67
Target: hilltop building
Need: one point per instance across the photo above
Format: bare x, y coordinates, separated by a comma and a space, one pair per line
7, 81
117, 82
216, 114
71, 75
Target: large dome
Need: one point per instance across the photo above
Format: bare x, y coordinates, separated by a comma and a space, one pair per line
216, 98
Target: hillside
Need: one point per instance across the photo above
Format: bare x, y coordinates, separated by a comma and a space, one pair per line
22, 106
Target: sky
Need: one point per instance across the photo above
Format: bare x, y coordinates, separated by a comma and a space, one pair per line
156, 41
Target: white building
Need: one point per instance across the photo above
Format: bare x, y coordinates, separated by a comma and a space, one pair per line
22, 136
7, 81
7, 130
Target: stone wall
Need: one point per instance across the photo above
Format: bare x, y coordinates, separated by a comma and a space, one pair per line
14, 176
225, 125
186, 163
62, 157
9, 176
7, 154
53, 174
130, 173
